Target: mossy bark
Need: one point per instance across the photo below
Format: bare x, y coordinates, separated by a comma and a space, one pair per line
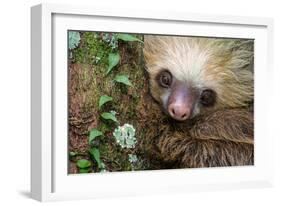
88, 81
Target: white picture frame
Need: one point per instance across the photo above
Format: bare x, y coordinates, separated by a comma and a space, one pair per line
49, 177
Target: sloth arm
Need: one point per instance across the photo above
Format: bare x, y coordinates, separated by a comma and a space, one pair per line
222, 138
235, 125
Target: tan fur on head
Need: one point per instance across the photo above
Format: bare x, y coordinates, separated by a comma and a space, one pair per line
223, 65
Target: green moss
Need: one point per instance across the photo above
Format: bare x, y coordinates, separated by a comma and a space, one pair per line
92, 49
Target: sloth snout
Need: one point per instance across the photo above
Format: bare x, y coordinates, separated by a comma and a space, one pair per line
179, 112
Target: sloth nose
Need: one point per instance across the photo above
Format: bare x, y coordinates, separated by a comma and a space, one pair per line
179, 112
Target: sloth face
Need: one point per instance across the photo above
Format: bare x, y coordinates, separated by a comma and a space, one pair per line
191, 75
180, 100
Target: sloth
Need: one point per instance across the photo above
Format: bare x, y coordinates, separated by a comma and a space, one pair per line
205, 88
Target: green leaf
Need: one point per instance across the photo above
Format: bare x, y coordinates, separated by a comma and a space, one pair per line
84, 170
113, 60
104, 99
93, 134
96, 155
102, 166
83, 163
123, 79
128, 37
109, 116
72, 154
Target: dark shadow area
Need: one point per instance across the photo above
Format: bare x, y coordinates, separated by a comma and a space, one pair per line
25, 193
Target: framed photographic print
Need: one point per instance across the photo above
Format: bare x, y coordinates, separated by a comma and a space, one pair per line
137, 102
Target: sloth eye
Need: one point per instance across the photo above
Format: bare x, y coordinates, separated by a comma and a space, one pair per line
165, 79
208, 97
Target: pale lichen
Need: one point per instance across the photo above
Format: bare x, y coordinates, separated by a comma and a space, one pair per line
73, 39
133, 158
125, 136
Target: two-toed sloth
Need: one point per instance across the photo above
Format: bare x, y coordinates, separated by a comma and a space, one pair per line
206, 85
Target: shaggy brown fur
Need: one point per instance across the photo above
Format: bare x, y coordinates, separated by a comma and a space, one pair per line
218, 136
221, 138
228, 141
